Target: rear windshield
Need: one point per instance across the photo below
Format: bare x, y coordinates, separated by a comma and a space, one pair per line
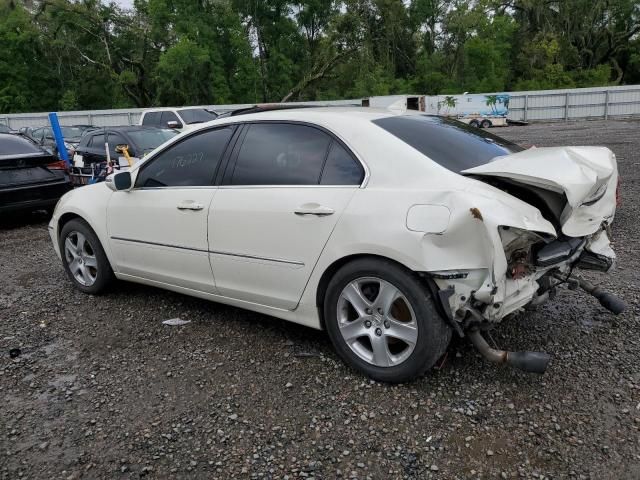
450, 143
16, 145
72, 132
196, 115
147, 140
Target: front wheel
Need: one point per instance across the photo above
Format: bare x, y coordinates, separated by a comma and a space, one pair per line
83, 257
383, 322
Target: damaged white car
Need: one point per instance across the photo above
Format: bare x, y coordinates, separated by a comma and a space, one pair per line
392, 231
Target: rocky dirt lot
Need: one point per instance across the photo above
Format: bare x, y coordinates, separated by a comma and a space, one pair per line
102, 389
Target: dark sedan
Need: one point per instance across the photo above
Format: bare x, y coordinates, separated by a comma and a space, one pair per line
31, 177
139, 141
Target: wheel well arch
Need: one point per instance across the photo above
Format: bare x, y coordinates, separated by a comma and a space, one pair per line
66, 218
330, 271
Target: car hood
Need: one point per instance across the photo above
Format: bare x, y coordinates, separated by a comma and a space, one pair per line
586, 176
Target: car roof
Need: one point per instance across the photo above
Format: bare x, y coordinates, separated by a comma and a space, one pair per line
124, 129
311, 114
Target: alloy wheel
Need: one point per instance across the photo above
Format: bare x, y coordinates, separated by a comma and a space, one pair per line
81, 258
377, 321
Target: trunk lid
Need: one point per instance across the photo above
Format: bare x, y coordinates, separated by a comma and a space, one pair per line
585, 176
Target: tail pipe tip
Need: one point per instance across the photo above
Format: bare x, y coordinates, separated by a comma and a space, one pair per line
533, 362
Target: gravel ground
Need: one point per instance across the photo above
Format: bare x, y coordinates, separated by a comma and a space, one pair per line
103, 390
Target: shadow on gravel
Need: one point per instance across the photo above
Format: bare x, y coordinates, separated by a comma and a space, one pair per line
14, 220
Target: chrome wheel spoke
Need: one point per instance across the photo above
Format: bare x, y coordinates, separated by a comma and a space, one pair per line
408, 333
353, 330
81, 243
381, 354
91, 261
386, 296
70, 248
354, 296
86, 277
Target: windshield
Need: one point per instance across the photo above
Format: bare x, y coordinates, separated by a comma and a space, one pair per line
450, 143
196, 115
146, 140
72, 132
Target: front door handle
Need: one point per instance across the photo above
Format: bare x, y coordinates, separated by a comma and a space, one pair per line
189, 205
314, 209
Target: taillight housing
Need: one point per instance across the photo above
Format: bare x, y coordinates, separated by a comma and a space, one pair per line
59, 165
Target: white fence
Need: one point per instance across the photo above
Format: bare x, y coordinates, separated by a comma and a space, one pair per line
541, 105
600, 102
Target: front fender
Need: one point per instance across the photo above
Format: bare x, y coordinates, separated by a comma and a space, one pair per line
89, 203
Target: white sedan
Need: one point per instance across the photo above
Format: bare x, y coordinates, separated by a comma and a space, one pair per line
390, 230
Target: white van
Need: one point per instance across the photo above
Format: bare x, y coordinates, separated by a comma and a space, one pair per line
182, 119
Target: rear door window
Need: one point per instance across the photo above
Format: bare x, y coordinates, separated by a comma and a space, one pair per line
341, 168
450, 143
281, 154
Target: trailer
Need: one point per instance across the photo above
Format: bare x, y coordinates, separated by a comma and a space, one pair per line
477, 110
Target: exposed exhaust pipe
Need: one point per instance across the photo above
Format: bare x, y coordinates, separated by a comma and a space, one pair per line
608, 300
534, 362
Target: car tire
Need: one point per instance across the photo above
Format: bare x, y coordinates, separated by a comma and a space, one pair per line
486, 124
383, 322
474, 123
83, 257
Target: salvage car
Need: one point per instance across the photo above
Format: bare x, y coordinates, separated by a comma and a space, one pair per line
392, 231
138, 140
71, 134
31, 178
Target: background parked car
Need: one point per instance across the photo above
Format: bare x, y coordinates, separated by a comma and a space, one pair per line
30, 176
140, 140
5, 129
177, 118
72, 135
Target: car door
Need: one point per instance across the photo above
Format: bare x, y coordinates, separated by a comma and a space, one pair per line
274, 213
158, 229
94, 151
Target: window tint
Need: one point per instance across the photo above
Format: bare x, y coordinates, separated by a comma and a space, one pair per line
151, 118
341, 168
196, 115
450, 143
146, 140
169, 117
191, 162
116, 139
97, 141
281, 154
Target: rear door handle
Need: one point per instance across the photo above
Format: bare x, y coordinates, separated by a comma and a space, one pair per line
189, 205
314, 209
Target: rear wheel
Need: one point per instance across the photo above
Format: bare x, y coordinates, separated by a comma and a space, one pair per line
383, 321
486, 124
83, 257
474, 123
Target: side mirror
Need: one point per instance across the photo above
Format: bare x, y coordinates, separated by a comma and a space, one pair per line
119, 181
174, 124
122, 148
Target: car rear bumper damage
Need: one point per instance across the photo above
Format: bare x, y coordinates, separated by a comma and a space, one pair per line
513, 254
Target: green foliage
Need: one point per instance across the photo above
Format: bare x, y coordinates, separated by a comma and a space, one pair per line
70, 54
